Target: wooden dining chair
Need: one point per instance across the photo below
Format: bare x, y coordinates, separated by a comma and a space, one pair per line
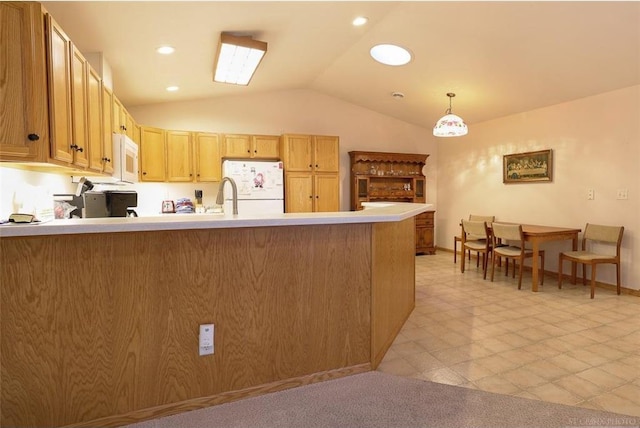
458, 238
475, 237
508, 242
595, 234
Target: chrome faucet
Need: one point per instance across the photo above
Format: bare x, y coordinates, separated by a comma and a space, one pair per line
234, 190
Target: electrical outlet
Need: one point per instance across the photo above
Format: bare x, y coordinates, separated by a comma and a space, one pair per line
206, 339
622, 194
591, 194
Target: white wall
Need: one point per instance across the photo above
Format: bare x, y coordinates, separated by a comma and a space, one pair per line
303, 112
596, 145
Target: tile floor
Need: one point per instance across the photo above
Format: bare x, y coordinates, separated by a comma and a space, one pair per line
555, 345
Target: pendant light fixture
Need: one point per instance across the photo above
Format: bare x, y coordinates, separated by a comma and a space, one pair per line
450, 125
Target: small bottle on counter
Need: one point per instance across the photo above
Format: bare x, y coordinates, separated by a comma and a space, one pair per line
199, 206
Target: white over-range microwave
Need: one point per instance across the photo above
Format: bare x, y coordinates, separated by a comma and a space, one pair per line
125, 153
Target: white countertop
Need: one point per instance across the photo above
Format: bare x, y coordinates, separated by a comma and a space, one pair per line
373, 213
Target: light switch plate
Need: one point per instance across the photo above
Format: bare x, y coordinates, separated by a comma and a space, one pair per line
206, 339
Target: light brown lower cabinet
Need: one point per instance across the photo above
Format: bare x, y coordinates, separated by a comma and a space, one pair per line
306, 192
424, 233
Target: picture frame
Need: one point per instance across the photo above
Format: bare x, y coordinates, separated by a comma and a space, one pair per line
527, 167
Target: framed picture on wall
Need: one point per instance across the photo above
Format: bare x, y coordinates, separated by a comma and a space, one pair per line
527, 167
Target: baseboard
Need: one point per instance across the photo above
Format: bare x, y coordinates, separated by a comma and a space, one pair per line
565, 277
226, 397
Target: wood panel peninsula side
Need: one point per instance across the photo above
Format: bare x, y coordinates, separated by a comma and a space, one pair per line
99, 318
393, 177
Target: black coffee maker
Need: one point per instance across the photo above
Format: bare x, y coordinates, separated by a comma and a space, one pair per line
110, 203
120, 202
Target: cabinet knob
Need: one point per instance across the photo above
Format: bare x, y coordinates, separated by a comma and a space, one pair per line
248, 151
33, 137
310, 196
144, 173
76, 148
316, 165
310, 166
80, 149
317, 196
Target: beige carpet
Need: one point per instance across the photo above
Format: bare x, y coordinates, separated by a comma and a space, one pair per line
377, 399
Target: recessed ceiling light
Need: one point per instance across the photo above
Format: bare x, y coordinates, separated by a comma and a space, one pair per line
390, 54
360, 20
397, 95
172, 88
165, 50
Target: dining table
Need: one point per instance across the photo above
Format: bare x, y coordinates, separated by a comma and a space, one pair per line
537, 234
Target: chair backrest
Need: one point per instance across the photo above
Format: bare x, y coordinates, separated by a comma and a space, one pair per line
507, 232
606, 234
473, 230
487, 218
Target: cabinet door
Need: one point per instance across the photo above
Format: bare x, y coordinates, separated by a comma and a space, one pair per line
136, 133
95, 132
24, 134
298, 193
118, 124
326, 154
326, 193
107, 130
152, 154
79, 102
208, 162
179, 152
265, 146
59, 93
296, 153
236, 146
127, 121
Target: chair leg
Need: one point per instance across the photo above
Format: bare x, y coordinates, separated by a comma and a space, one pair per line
519, 275
593, 280
485, 264
584, 273
493, 265
541, 267
462, 260
560, 271
618, 278
455, 249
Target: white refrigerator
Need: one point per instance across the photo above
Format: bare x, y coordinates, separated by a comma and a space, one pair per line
260, 186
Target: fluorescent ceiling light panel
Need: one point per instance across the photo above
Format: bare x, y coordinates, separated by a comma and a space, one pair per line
238, 58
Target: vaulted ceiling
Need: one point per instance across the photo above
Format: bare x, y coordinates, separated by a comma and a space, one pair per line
499, 58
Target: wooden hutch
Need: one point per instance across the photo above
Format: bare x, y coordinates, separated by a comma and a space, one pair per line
393, 177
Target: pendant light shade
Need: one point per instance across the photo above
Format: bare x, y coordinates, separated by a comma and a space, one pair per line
450, 125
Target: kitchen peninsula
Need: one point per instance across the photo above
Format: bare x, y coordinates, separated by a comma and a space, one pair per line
100, 317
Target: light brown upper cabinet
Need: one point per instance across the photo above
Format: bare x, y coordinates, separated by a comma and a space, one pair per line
24, 128
152, 154
207, 157
60, 112
179, 156
95, 134
310, 153
241, 146
107, 130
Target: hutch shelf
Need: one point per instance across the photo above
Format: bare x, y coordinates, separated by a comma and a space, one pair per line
393, 177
